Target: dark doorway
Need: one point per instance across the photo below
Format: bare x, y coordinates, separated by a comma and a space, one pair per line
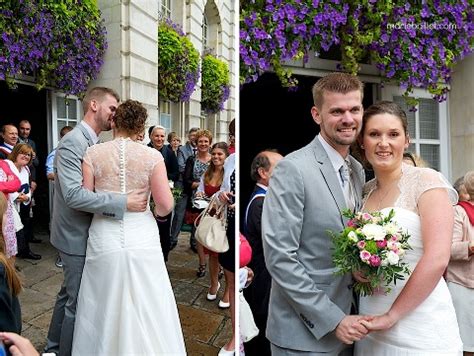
274, 117
25, 102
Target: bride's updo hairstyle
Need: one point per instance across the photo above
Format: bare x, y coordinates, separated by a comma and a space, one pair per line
130, 117
382, 107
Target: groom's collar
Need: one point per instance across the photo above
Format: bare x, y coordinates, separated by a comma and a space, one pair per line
91, 132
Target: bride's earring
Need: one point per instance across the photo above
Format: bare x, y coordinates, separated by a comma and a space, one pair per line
362, 146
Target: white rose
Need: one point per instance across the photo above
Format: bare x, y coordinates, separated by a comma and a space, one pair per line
352, 236
391, 228
171, 184
392, 258
373, 232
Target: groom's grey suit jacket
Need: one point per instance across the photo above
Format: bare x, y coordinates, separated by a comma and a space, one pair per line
307, 299
73, 204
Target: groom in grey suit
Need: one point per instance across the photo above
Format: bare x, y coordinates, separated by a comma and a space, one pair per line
309, 305
73, 209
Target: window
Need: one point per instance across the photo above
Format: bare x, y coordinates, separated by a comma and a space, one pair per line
65, 112
166, 9
165, 116
428, 127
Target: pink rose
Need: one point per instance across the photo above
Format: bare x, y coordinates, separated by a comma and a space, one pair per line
394, 238
366, 216
365, 256
375, 260
381, 243
351, 223
361, 245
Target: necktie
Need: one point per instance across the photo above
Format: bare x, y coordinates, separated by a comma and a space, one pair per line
347, 188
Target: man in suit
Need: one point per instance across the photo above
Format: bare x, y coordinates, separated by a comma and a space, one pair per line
257, 293
10, 139
24, 130
73, 208
157, 141
309, 304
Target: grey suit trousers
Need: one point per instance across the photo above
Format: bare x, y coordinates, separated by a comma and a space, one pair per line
280, 351
61, 329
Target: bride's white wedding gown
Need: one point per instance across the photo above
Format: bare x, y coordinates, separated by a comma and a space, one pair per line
126, 304
431, 328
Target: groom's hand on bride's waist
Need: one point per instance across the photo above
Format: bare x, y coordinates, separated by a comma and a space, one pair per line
350, 329
137, 200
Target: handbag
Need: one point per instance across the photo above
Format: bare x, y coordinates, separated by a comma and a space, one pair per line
248, 328
211, 226
16, 220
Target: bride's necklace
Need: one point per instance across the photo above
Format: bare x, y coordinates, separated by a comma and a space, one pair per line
390, 189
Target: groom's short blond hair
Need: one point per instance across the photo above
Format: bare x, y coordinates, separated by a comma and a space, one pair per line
337, 82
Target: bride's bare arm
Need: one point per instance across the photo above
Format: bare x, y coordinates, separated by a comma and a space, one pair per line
161, 191
87, 177
437, 217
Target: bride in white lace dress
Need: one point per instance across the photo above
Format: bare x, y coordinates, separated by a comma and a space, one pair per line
417, 317
126, 305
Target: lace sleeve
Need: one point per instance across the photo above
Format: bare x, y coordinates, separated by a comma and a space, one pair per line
430, 179
417, 181
88, 159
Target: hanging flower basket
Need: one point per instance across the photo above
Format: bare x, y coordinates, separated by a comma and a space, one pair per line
414, 43
58, 43
178, 63
215, 84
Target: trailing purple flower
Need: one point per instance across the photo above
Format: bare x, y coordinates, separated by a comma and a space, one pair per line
413, 43
178, 63
30, 34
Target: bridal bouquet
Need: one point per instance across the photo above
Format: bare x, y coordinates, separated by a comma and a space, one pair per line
373, 245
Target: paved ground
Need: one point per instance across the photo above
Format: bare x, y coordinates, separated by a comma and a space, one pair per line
206, 328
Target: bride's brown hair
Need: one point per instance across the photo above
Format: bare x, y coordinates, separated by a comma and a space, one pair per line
12, 278
131, 116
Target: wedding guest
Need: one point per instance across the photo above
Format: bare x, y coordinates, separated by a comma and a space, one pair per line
461, 189
227, 259
258, 293
18, 160
196, 165
10, 284
9, 183
184, 152
210, 184
18, 345
174, 142
10, 139
157, 141
460, 273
